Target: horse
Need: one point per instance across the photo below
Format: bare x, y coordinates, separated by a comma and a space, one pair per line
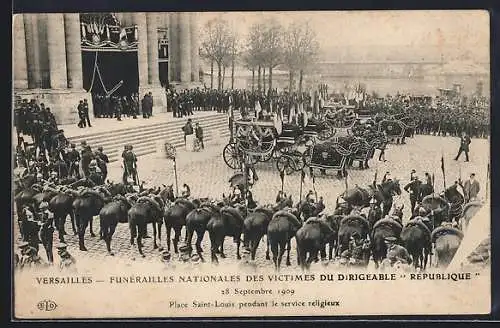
306, 209
145, 210
110, 215
382, 194
312, 237
438, 207
382, 229
455, 198
167, 193
229, 223
349, 225
416, 238
280, 231
175, 218
86, 205
61, 205
196, 221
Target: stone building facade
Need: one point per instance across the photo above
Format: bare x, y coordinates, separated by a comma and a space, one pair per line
47, 57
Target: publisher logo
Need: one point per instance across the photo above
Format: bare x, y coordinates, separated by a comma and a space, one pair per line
46, 305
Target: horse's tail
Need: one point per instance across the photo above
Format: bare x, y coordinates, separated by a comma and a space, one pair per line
133, 228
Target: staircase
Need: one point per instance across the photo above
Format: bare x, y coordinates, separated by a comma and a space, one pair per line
145, 139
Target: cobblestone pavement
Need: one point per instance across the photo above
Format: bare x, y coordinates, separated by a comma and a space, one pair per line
207, 175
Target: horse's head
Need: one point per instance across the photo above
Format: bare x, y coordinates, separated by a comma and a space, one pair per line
167, 193
391, 187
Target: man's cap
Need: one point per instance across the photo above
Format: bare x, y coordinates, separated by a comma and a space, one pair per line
413, 171
390, 239
62, 246
473, 174
23, 245
44, 205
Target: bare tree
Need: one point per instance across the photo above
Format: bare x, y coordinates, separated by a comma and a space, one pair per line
216, 45
256, 51
300, 50
273, 47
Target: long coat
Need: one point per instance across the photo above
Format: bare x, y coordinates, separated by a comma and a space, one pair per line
471, 190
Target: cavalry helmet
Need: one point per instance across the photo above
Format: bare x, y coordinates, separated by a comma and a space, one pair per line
43, 205
390, 239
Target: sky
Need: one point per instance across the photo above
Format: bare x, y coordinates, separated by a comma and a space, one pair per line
452, 32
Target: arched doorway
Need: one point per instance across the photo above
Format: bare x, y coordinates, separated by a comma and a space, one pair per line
110, 64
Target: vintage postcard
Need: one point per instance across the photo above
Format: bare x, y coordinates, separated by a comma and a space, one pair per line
242, 164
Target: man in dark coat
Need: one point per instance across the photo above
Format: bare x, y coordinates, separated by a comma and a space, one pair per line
471, 188
47, 231
464, 147
86, 112
102, 160
81, 115
74, 161
413, 187
86, 156
199, 134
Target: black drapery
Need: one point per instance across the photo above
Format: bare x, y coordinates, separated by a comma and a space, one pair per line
163, 72
113, 67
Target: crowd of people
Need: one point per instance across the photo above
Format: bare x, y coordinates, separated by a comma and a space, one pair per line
118, 106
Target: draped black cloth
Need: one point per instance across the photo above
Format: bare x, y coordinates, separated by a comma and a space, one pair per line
113, 66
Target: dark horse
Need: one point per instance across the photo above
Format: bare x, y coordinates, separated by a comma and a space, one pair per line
175, 218
280, 231
256, 222
416, 238
387, 227
86, 205
312, 238
382, 193
196, 221
145, 210
456, 200
349, 225
110, 215
229, 223
62, 206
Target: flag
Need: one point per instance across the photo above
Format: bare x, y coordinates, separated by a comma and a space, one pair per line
303, 176
442, 164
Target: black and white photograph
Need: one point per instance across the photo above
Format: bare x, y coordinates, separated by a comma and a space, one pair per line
243, 164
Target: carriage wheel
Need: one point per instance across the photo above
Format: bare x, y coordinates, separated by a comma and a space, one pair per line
231, 156
298, 163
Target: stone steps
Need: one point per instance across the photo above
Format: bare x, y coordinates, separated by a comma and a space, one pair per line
150, 138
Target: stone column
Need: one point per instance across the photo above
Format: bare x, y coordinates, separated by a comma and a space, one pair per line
142, 53
73, 51
32, 51
153, 66
173, 47
185, 48
195, 61
19, 59
57, 51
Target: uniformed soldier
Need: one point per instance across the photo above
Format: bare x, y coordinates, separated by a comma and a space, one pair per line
47, 230
413, 187
94, 174
31, 229
464, 146
395, 252
67, 261
102, 160
74, 162
86, 156
129, 164
387, 177
357, 246
30, 258
186, 191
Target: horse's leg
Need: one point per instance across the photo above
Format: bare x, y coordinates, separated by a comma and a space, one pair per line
91, 221
73, 222
213, 247
111, 231
323, 253
288, 248
221, 243
155, 245
274, 250
168, 238
238, 243
199, 238
82, 226
267, 248
177, 231
160, 224
255, 245
140, 233
282, 248
60, 228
